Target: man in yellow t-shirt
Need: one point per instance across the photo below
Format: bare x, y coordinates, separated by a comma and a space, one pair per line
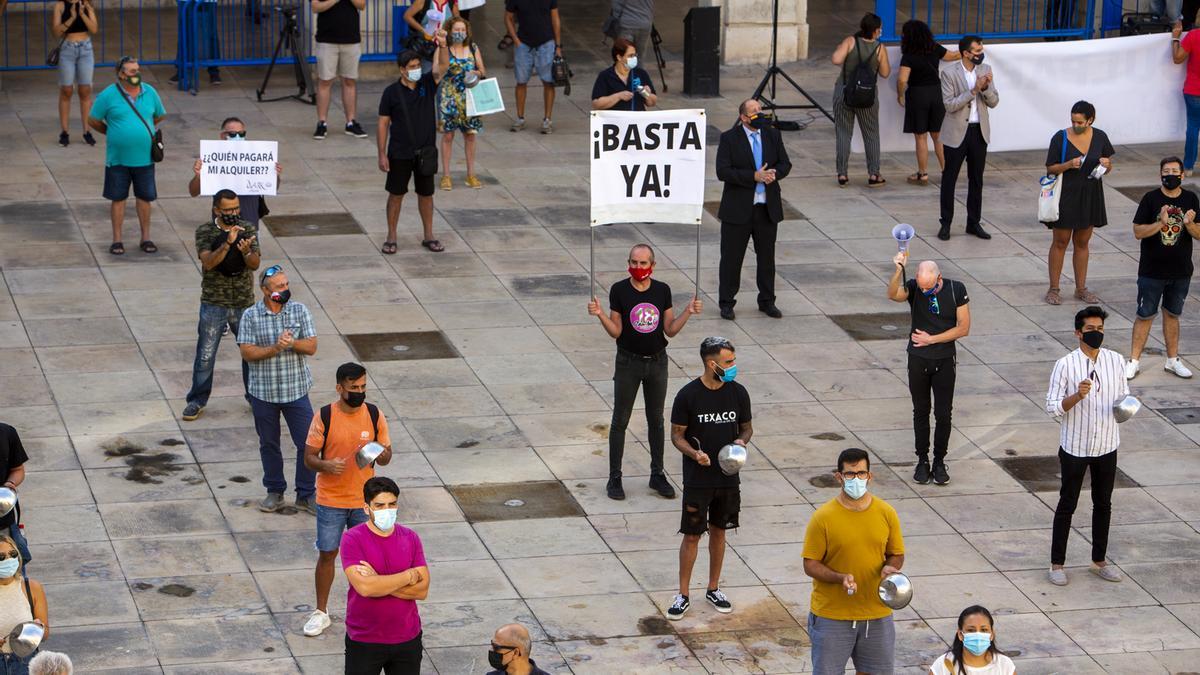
851, 543
337, 433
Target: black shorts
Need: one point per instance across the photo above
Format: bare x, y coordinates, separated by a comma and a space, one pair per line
398, 175
714, 507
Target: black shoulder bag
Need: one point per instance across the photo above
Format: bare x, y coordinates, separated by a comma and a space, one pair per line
425, 159
611, 27
156, 139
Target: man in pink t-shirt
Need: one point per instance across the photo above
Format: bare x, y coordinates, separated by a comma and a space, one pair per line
1181, 51
385, 565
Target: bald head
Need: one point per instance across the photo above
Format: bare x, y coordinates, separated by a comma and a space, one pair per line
928, 275
513, 635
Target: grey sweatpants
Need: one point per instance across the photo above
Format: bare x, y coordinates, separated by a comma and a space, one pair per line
871, 645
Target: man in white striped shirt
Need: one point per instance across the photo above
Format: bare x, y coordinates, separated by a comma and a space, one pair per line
1083, 388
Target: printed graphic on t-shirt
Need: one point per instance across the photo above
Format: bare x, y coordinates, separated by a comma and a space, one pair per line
1169, 232
644, 317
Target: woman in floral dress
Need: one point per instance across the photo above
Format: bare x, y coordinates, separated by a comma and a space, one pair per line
462, 57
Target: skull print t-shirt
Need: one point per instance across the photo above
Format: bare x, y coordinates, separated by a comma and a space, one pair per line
642, 315
1166, 254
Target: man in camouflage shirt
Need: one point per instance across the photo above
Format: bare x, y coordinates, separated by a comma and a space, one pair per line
228, 249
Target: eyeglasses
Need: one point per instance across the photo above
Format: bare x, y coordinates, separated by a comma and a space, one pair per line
850, 475
231, 212
236, 134
502, 649
123, 61
8, 556
933, 305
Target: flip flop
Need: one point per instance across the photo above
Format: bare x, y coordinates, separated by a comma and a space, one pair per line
117, 248
148, 247
433, 245
389, 248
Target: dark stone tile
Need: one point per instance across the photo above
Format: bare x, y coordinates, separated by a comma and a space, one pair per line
873, 326
549, 285
44, 215
312, 224
562, 216
401, 346
1041, 473
483, 218
515, 501
1181, 415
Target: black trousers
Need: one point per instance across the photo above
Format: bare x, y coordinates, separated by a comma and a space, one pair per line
1104, 474
974, 151
370, 658
934, 376
631, 372
733, 250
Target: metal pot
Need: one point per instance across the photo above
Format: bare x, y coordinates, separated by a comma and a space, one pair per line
471, 79
1126, 408
368, 454
896, 591
8, 501
731, 459
25, 638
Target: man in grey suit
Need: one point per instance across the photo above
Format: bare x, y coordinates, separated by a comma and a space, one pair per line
968, 92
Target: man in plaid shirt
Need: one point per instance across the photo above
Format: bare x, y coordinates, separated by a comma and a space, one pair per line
275, 335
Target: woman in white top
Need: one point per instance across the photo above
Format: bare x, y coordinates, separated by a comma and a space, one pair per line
21, 600
974, 651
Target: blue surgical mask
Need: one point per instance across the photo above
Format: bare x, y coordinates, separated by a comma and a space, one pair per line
9, 567
631, 62
932, 289
384, 519
726, 374
855, 487
977, 643
414, 75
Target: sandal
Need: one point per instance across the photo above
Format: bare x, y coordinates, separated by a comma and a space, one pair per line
843, 180
117, 248
1087, 296
876, 181
389, 248
919, 179
433, 245
1053, 297
148, 247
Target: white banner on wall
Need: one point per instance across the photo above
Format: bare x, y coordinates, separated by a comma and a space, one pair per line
246, 167
647, 166
1132, 81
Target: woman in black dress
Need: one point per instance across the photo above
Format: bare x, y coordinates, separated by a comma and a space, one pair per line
919, 90
1081, 204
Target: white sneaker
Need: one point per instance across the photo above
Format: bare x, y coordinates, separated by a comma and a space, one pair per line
317, 622
1176, 366
1131, 369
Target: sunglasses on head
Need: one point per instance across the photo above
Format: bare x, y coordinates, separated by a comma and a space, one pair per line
270, 272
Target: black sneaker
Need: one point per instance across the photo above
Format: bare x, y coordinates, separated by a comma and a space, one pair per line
355, 129
718, 600
319, 134
615, 491
940, 476
174, 79
678, 607
662, 486
89, 138
64, 139
921, 475
214, 79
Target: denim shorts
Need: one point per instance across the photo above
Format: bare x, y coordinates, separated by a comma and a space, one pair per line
526, 58
1170, 292
117, 180
76, 61
332, 521
871, 645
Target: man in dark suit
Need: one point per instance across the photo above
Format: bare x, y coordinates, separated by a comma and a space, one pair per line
750, 160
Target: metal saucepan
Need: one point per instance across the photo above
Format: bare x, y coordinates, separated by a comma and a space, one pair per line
732, 458
368, 454
471, 79
1126, 408
25, 638
8, 501
896, 591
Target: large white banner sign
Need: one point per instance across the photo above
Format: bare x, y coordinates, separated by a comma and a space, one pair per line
1136, 88
647, 166
246, 167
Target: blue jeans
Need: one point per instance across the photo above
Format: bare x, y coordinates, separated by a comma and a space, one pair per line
332, 522
76, 63
298, 414
526, 59
1193, 130
15, 665
1171, 10
213, 318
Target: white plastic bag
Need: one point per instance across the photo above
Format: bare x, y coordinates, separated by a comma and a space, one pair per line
1051, 193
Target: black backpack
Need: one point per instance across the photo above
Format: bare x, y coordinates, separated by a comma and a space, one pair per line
327, 415
858, 91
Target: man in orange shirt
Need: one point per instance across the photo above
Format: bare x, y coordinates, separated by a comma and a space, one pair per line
334, 438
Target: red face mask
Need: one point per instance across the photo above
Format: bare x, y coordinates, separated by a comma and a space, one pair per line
640, 273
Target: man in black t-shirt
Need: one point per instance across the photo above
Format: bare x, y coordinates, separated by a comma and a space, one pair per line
1165, 223
939, 317
535, 29
709, 413
641, 319
339, 49
12, 469
406, 115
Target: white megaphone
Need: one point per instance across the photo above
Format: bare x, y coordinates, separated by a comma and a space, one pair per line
902, 233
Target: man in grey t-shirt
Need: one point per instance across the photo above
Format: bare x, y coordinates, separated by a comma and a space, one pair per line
634, 19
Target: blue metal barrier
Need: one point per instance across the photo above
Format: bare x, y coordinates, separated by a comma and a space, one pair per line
141, 28
991, 19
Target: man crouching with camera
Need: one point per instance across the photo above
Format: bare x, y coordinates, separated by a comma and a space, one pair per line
228, 249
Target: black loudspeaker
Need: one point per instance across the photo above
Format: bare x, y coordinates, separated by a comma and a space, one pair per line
702, 52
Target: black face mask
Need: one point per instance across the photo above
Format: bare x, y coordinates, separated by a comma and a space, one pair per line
1093, 339
760, 121
977, 59
496, 660
1172, 182
282, 296
231, 219
355, 398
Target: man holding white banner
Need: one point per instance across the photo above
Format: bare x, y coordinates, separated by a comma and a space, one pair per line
750, 160
253, 206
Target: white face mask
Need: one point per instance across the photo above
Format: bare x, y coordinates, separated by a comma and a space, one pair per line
631, 62
414, 75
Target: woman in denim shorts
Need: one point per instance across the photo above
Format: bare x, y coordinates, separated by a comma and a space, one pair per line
75, 22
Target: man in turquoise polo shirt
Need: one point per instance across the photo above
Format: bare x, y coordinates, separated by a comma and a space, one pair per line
127, 159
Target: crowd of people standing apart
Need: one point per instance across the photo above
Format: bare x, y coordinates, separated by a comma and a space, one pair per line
852, 541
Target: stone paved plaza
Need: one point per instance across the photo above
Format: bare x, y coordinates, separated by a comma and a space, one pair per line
144, 530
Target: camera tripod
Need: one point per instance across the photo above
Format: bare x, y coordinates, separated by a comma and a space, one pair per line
289, 37
769, 79
656, 40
